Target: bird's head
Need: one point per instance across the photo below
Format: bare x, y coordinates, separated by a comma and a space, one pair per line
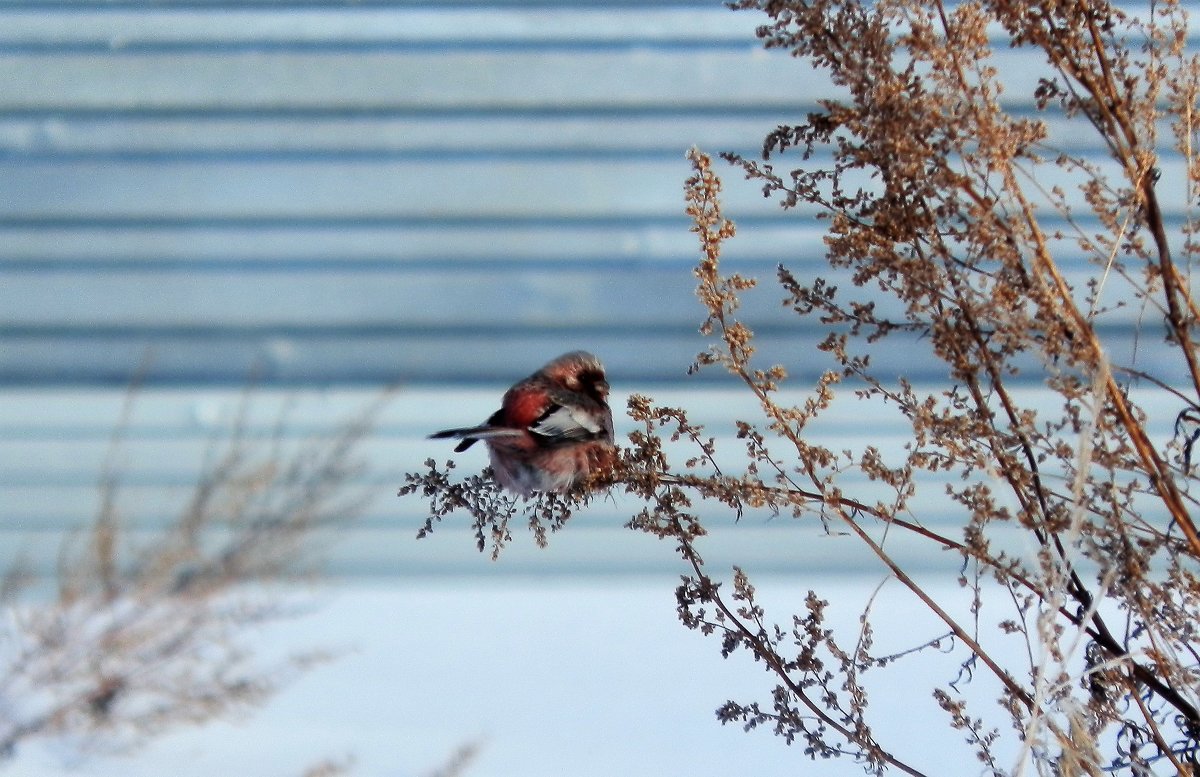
579, 371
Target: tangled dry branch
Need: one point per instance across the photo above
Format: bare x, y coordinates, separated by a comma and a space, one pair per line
968, 231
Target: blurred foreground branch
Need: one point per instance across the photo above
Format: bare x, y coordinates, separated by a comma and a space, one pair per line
140, 638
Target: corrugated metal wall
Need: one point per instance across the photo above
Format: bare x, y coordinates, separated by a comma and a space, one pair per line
327, 194
365, 193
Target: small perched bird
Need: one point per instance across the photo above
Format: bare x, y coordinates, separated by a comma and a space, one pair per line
553, 430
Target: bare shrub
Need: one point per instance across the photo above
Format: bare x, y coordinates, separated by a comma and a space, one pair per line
954, 218
141, 638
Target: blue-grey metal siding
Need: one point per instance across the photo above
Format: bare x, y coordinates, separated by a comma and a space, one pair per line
350, 195
334, 194
326, 194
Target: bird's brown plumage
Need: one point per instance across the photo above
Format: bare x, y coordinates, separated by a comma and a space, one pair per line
553, 430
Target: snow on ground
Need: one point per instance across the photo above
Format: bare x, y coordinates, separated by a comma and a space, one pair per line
550, 677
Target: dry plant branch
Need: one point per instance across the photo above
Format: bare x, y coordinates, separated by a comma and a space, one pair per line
968, 237
141, 638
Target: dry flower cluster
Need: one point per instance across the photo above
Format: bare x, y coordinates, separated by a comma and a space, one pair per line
953, 215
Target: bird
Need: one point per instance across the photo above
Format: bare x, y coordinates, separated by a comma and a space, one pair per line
553, 431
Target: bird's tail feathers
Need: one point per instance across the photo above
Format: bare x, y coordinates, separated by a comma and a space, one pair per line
471, 435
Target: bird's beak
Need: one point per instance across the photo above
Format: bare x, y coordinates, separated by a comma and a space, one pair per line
602, 388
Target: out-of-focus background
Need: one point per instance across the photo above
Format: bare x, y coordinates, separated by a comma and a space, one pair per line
322, 200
